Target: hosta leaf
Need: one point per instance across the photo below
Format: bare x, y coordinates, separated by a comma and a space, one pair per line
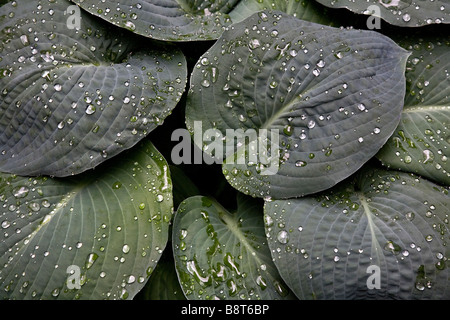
169, 20
421, 143
173, 20
331, 96
405, 13
383, 235
308, 10
72, 98
222, 255
109, 227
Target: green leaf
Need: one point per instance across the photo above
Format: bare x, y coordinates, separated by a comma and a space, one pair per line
404, 13
173, 20
72, 98
222, 255
103, 230
331, 96
307, 10
169, 20
421, 143
329, 246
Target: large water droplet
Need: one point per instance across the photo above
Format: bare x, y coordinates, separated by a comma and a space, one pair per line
311, 124
90, 109
90, 260
5, 224
254, 43
428, 156
20, 192
283, 236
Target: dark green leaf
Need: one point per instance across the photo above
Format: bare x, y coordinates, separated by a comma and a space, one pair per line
72, 98
169, 20
382, 228
110, 225
222, 255
421, 143
405, 13
333, 97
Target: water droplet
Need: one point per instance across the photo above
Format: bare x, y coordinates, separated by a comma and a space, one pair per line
90, 109
268, 221
125, 248
288, 130
406, 17
124, 294
339, 55
159, 198
24, 40
20, 192
183, 234
131, 279
204, 61
361, 107
58, 87
300, 163
90, 260
273, 84
320, 63
55, 292
254, 43
428, 156
261, 282
311, 124
117, 185
410, 216
392, 247
130, 25
283, 236
316, 72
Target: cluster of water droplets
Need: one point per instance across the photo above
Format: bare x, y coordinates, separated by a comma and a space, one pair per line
78, 98
227, 264
404, 249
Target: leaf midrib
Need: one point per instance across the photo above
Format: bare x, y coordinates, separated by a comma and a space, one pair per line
376, 247
426, 108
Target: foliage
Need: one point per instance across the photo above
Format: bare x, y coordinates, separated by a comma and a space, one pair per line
138, 160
